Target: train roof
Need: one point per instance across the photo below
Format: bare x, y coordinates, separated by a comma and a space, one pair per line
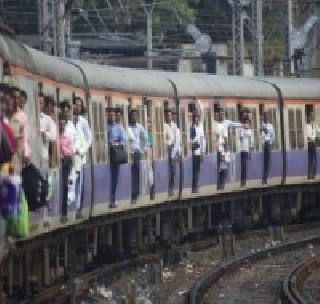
152, 83
297, 87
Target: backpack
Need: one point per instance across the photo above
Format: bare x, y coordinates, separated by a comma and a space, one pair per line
35, 187
8, 143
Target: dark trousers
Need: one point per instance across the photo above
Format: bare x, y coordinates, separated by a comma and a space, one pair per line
66, 165
196, 161
312, 164
135, 173
171, 164
221, 173
266, 162
114, 169
244, 163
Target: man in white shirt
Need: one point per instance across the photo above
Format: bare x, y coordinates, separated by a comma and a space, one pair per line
137, 138
83, 144
171, 135
222, 147
311, 129
267, 138
48, 131
198, 149
246, 146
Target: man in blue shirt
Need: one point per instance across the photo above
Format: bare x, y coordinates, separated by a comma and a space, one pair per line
138, 142
116, 138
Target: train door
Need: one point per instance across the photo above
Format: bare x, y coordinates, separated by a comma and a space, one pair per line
274, 119
254, 164
125, 104
297, 160
231, 113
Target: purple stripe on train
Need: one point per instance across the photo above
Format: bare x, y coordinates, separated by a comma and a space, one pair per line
297, 163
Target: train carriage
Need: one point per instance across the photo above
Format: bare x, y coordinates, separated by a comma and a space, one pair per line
150, 92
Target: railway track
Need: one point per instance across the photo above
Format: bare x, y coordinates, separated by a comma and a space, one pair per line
61, 291
201, 286
294, 285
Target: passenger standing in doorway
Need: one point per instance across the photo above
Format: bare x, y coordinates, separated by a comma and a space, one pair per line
267, 135
246, 146
170, 140
21, 116
150, 160
84, 141
116, 139
66, 153
222, 147
138, 139
311, 130
198, 148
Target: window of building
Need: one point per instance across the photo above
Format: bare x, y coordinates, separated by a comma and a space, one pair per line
99, 136
296, 137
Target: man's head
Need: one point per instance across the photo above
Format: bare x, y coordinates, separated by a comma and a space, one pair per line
195, 118
221, 114
41, 102
111, 115
169, 116
133, 116
118, 115
15, 94
62, 122
175, 116
265, 117
310, 117
11, 102
23, 99
3, 90
66, 110
78, 106
49, 105
216, 115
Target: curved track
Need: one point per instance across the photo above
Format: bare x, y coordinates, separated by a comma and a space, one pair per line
259, 274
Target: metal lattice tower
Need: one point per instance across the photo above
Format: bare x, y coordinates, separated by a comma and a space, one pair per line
52, 26
257, 37
238, 40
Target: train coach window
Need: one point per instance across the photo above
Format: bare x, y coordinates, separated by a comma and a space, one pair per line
254, 126
272, 116
159, 132
207, 126
230, 114
295, 128
98, 122
184, 132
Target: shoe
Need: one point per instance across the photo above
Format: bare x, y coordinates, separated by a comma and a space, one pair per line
79, 215
133, 201
195, 190
170, 193
64, 219
112, 205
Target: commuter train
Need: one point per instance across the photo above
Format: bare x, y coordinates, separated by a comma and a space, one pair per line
150, 92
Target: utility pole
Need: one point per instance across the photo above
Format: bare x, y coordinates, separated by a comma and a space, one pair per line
238, 39
61, 29
258, 37
288, 48
148, 9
